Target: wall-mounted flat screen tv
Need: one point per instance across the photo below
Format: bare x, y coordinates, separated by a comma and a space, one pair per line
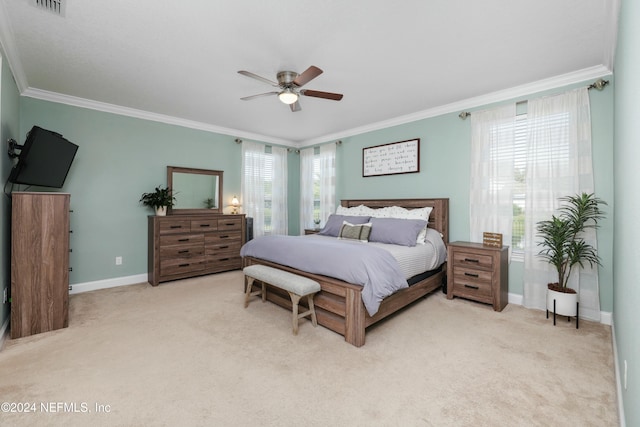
44, 160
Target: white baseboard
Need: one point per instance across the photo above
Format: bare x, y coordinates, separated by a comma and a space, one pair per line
618, 380
108, 283
606, 318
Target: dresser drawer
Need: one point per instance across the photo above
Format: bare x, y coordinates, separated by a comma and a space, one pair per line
181, 239
227, 224
228, 247
223, 237
224, 263
174, 266
204, 225
471, 259
173, 226
182, 251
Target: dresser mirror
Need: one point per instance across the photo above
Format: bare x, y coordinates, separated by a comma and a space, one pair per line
195, 190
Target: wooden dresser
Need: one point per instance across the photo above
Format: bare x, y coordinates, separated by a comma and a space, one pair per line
478, 273
182, 246
39, 262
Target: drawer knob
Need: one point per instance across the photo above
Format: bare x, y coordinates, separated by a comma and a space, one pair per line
205, 225
224, 247
224, 237
183, 240
471, 275
175, 226
186, 251
183, 265
471, 260
471, 287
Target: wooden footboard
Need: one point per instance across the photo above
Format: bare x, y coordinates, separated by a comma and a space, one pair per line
339, 305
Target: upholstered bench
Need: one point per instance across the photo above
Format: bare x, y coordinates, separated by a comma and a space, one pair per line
296, 286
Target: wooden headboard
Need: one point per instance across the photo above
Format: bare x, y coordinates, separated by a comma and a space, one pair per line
438, 220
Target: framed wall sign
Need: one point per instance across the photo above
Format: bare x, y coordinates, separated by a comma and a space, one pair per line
393, 158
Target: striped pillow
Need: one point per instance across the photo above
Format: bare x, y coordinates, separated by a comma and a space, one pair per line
355, 231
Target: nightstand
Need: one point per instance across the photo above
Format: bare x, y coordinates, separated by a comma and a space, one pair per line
478, 272
311, 230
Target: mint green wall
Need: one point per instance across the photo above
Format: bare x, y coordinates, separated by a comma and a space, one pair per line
627, 231
118, 159
122, 157
444, 172
9, 124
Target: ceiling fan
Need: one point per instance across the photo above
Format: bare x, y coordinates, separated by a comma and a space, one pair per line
289, 84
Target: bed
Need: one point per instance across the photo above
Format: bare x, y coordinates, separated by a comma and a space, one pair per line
339, 305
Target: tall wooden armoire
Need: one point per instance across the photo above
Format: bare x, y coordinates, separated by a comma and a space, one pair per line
39, 262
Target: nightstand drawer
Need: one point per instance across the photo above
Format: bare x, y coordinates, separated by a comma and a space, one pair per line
472, 260
463, 274
475, 291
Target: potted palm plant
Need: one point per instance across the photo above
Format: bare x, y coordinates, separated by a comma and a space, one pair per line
565, 247
160, 199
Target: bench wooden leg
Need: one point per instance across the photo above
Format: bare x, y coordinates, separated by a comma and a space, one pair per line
248, 294
312, 309
295, 299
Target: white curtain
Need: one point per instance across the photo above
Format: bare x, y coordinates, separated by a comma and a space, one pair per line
260, 167
279, 206
327, 181
492, 177
306, 188
559, 164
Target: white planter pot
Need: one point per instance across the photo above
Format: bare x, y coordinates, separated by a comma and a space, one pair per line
161, 211
566, 304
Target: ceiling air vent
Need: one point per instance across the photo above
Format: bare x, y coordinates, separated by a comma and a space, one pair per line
57, 7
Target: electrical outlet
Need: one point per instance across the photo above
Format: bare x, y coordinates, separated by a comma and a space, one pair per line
624, 380
118, 260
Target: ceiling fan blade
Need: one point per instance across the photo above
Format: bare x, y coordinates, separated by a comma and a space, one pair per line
257, 77
247, 98
319, 94
308, 75
295, 107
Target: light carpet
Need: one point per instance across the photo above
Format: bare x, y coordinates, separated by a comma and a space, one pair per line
187, 353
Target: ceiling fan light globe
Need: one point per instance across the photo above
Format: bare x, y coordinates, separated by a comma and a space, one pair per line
288, 97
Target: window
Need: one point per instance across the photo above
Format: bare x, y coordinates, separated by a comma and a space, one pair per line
264, 187
316, 189
558, 152
317, 185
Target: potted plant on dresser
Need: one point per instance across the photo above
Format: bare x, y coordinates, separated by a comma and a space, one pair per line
565, 247
160, 199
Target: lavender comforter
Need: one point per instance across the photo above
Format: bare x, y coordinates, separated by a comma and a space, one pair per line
374, 268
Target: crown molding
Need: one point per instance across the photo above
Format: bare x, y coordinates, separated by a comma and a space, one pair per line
479, 101
146, 115
494, 97
8, 45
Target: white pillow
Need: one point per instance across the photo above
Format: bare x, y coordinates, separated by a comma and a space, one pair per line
361, 210
390, 212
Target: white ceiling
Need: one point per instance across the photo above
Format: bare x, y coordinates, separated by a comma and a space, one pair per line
177, 61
